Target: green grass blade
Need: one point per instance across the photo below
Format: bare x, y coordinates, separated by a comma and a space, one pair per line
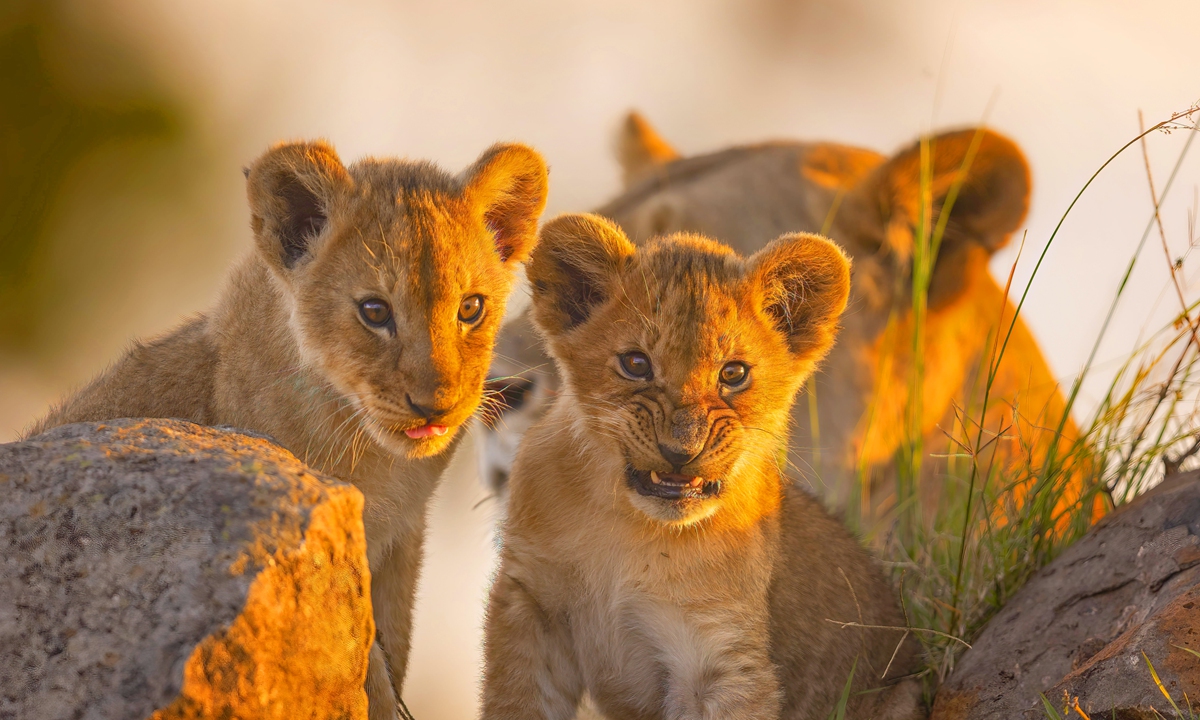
1020, 304
1051, 712
1161, 689
1187, 650
839, 712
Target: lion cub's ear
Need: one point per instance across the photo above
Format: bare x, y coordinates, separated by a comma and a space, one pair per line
291, 189
640, 149
981, 176
573, 268
508, 185
804, 281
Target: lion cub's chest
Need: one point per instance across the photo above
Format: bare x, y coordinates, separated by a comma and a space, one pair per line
640, 652
389, 486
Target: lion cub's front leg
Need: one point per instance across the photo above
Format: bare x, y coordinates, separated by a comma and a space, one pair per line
393, 593
738, 687
382, 703
530, 670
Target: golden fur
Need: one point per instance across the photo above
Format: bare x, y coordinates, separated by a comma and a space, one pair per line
716, 602
868, 204
287, 352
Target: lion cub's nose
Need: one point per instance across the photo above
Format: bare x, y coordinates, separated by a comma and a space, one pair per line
678, 456
428, 409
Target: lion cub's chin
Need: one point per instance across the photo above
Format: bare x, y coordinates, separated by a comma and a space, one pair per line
677, 513
672, 498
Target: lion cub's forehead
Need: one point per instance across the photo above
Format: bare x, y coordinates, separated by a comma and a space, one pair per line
686, 294
413, 193
411, 219
685, 273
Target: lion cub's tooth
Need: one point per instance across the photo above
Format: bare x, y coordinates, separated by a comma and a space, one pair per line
697, 481
654, 478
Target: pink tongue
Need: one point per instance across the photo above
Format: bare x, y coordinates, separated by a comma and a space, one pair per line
426, 431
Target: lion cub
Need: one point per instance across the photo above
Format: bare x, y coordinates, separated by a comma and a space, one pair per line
654, 555
357, 334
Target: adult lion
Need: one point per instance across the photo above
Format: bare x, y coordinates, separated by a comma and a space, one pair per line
870, 205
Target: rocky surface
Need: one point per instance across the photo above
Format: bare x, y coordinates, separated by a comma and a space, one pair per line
159, 569
1084, 627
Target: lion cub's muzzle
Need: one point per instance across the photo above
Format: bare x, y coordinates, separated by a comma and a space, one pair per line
671, 486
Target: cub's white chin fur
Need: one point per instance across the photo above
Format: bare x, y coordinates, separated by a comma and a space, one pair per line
674, 514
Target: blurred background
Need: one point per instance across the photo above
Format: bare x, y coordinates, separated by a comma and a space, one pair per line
124, 126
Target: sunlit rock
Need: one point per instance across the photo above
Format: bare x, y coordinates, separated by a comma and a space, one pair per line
156, 568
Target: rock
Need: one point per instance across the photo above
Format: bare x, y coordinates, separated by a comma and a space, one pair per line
160, 569
1080, 627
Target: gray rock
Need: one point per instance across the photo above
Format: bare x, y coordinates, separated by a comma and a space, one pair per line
1080, 627
156, 568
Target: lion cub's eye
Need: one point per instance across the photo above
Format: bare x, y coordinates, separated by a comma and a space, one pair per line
375, 312
635, 365
734, 374
471, 309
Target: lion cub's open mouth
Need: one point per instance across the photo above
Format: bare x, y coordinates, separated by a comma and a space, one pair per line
671, 486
